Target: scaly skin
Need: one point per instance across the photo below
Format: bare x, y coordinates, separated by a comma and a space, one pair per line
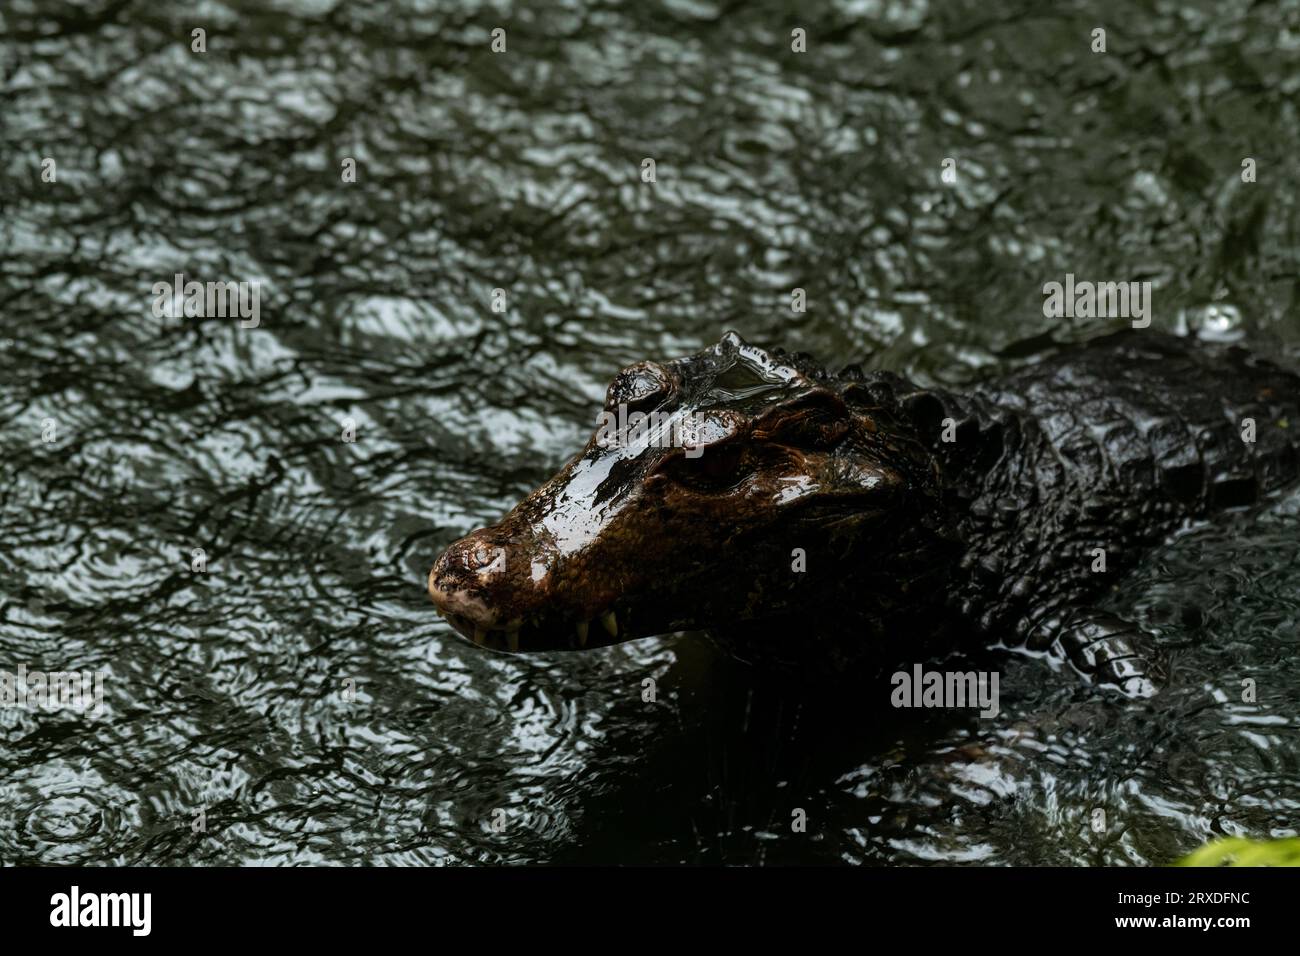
831, 517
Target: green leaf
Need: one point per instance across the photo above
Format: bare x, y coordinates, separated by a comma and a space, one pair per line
1238, 851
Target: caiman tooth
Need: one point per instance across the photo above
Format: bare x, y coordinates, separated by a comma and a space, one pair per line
581, 628
610, 623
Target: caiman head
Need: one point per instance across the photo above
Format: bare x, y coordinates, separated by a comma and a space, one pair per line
729, 487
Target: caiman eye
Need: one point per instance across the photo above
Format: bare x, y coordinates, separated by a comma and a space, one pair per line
718, 468
640, 387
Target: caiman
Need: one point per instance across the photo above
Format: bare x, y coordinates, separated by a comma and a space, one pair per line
799, 514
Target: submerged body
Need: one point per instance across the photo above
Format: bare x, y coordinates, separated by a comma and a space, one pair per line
801, 514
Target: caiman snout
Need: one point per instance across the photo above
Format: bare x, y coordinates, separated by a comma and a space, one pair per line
459, 579
500, 590
476, 586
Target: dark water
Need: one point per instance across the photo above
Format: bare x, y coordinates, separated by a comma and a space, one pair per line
301, 693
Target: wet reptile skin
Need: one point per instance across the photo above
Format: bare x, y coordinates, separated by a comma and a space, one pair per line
831, 517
